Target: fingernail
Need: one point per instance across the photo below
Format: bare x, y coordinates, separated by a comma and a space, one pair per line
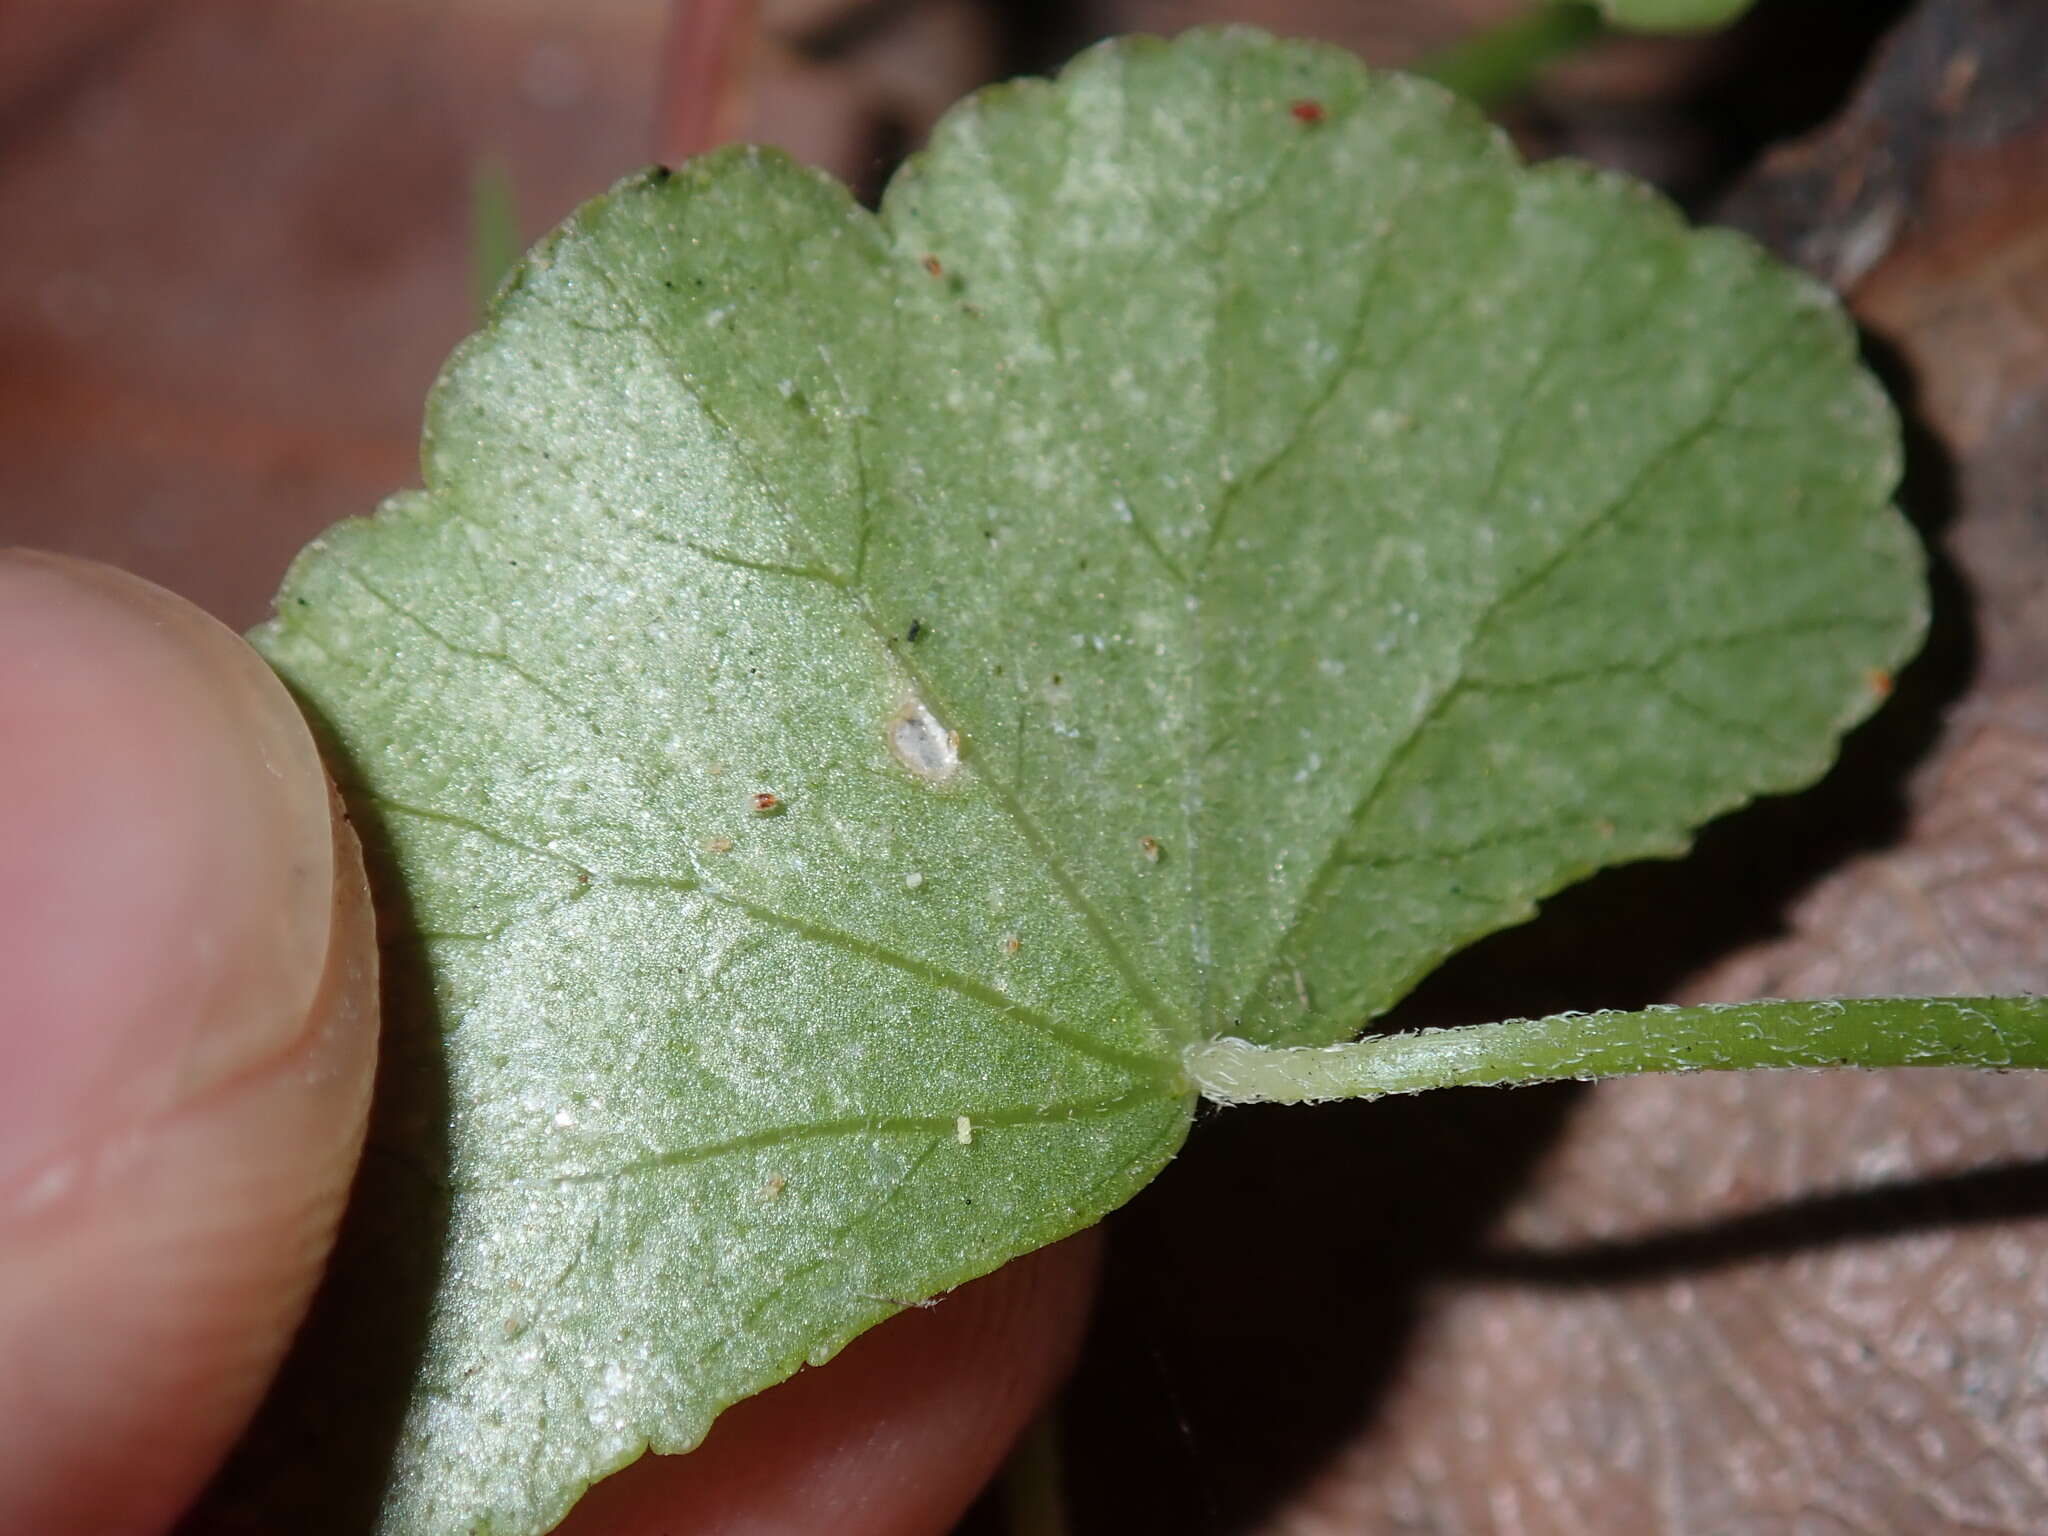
166, 863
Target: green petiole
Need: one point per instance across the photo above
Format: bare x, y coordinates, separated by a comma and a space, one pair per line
1994, 1032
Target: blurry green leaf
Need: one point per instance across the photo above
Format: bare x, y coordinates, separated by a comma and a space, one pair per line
1222, 539
1673, 15
1494, 64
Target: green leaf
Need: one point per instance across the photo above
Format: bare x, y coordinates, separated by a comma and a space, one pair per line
1495, 64
1673, 15
1223, 538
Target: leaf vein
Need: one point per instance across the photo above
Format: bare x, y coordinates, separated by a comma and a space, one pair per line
765, 567
748, 454
392, 805
1479, 682
1145, 1068
1458, 681
455, 647
771, 1137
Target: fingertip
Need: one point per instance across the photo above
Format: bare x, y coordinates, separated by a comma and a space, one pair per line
896, 1436
185, 1045
169, 870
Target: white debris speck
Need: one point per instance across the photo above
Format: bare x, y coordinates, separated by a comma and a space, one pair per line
963, 1130
912, 880
921, 743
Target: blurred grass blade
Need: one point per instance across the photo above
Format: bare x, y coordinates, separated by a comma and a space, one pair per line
493, 228
1674, 15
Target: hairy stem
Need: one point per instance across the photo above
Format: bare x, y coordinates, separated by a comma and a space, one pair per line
1861, 1032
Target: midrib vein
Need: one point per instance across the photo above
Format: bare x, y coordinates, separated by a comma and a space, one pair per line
1144, 1068
1457, 679
1177, 1030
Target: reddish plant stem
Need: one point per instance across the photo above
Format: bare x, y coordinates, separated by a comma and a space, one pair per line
705, 68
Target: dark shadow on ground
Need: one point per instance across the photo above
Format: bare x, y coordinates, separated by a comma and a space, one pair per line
317, 1457
2007, 1192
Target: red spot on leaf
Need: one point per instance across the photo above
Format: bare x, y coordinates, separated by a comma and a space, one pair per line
1306, 111
931, 265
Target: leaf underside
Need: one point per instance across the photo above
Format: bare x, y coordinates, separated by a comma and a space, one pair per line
1223, 538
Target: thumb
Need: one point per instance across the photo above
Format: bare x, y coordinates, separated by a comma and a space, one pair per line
186, 1038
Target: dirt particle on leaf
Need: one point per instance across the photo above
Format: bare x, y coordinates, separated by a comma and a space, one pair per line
1881, 682
1151, 849
933, 266
718, 845
1011, 943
